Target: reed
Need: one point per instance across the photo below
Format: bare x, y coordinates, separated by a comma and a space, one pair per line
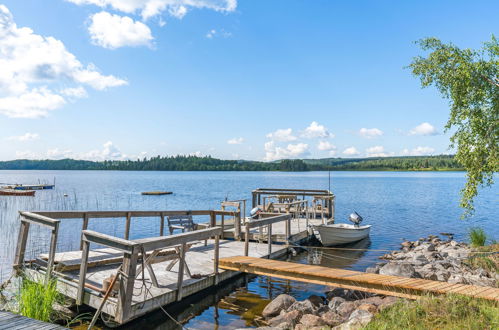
37, 300
477, 237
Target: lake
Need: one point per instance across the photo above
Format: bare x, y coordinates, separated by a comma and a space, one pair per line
398, 205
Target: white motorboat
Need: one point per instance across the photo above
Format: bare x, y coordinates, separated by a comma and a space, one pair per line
342, 233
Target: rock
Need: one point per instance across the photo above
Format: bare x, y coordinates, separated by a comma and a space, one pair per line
387, 302
63, 313
456, 279
406, 244
442, 276
346, 308
376, 300
404, 270
289, 318
281, 302
335, 302
317, 301
373, 270
419, 259
305, 307
285, 325
357, 320
310, 320
368, 307
332, 319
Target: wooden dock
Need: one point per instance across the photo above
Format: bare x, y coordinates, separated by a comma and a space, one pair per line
375, 283
13, 321
152, 271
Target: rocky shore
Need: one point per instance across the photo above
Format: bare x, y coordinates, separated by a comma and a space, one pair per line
429, 258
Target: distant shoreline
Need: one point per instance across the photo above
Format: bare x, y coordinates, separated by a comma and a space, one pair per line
442, 163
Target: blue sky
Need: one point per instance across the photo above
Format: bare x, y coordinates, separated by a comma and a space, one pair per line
249, 79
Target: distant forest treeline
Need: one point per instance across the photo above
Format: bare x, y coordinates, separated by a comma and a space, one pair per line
194, 163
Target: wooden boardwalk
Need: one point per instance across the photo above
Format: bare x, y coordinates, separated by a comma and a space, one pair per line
374, 283
13, 321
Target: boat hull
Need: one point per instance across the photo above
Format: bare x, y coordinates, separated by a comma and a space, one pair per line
12, 192
338, 234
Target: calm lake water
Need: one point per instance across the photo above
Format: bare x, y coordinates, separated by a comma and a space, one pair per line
398, 205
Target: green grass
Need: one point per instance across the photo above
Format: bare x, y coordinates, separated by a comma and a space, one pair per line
477, 237
444, 312
484, 257
36, 300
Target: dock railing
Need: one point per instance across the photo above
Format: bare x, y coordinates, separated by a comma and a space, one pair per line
267, 219
132, 250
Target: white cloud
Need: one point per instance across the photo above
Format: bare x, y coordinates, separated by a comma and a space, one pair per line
315, 130
77, 92
24, 137
418, 151
282, 135
113, 31
236, 141
273, 152
325, 146
108, 152
150, 8
33, 67
351, 151
211, 33
423, 129
370, 133
376, 151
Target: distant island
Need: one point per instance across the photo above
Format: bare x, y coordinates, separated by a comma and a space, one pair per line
208, 163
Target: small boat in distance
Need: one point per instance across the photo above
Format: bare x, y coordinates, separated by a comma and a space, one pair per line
157, 193
342, 233
13, 192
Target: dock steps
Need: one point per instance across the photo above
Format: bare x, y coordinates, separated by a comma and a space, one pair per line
404, 287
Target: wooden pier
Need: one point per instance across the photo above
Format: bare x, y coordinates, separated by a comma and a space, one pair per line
151, 272
14, 321
411, 288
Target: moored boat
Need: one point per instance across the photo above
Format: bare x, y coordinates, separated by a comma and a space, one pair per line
157, 193
13, 192
342, 233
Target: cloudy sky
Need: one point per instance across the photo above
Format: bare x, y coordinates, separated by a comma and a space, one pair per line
235, 79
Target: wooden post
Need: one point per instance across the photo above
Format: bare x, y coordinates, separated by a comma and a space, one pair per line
288, 227
129, 268
253, 199
246, 239
21, 244
181, 265
216, 257
269, 239
53, 247
223, 224
127, 224
84, 226
213, 219
237, 226
162, 225
83, 272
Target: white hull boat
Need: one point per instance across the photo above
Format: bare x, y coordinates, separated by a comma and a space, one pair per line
341, 233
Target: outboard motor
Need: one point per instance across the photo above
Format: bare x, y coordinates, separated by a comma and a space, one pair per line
255, 212
355, 218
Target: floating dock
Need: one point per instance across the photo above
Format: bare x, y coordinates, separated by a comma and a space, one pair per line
411, 288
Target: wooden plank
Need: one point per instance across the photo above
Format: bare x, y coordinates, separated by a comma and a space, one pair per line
83, 272
53, 247
162, 242
181, 265
39, 219
84, 226
403, 287
127, 224
21, 243
110, 241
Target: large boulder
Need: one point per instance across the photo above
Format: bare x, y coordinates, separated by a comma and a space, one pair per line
405, 270
281, 302
317, 301
335, 302
291, 318
346, 308
310, 320
305, 307
332, 319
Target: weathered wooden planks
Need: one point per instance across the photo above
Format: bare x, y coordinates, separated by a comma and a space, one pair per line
13, 321
384, 284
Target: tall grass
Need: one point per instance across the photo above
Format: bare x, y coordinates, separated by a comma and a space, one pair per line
445, 312
477, 237
37, 300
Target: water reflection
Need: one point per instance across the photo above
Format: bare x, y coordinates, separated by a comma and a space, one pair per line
338, 257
